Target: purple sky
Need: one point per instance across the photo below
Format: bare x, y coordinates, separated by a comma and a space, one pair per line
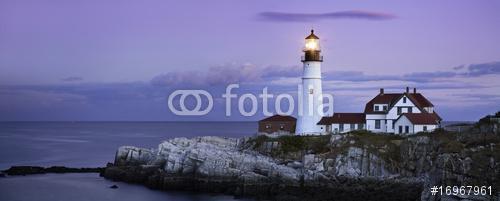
119, 60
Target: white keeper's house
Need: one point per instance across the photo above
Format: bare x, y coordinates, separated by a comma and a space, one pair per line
399, 113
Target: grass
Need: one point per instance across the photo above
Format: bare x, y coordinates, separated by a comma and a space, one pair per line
387, 146
294, 143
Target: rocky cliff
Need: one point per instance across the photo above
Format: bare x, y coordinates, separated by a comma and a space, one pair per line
355, 166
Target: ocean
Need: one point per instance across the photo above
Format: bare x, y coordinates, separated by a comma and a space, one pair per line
92, 144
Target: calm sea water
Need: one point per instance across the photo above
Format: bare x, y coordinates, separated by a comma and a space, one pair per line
88, 187
92, 144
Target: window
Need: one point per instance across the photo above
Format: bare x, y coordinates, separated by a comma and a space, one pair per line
376, 108
353, 126
404, 99
361, 126
407, 129
425, 128
400, 129
268, 126
399, 110
377, 124
384, 107
410, 110
311, 91
282, 127
341, 127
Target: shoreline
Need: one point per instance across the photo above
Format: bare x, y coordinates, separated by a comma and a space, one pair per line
338, 188
30, 170
273, 189
89, 186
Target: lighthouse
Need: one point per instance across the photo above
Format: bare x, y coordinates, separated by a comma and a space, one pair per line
310, 95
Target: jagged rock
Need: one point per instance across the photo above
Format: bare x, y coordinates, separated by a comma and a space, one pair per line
133, 155
205, 156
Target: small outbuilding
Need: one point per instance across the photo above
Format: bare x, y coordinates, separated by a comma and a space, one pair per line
343, 122
277, 124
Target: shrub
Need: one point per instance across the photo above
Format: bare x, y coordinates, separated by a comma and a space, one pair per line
291, 143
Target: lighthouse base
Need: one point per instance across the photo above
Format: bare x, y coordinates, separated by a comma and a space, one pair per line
307, 126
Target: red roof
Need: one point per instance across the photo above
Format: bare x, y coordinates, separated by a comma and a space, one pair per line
420, 100
279, 118
392, 98
343, 118
422, 118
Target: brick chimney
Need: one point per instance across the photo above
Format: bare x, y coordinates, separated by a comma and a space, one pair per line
414, 90
381, 91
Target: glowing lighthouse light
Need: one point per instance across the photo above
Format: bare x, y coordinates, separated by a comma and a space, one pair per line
312, 44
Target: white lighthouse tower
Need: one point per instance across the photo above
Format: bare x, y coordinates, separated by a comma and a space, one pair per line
311, 95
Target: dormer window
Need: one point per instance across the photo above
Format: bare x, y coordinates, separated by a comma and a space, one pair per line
380, 107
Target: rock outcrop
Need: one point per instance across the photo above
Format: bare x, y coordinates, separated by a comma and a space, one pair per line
343, 167
223, 165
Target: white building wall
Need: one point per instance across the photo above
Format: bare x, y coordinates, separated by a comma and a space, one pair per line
393, 112
403, 121
370, 122
420, 128
347, 128
390, 126
309, 116
335, 128
322, 128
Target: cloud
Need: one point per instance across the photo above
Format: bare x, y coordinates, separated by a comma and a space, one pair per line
213, 76
254, 74
357, 76
72, 79
178, 78
453, 91
464, 71
458, 67
308, 17
427, 76
225, 74
483, 69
